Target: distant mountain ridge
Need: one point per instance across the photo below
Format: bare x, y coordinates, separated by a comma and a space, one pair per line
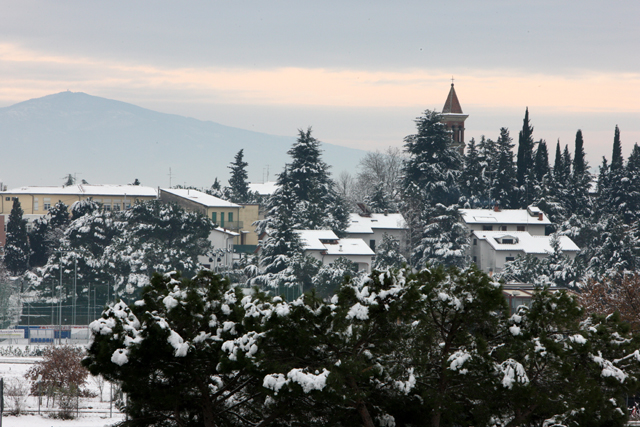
105, 141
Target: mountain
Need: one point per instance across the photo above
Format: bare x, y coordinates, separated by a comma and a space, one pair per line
105, 141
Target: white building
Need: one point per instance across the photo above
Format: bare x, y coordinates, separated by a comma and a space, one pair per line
501, 235
491, 250
222, 252
531, 220
326, 247
371, 226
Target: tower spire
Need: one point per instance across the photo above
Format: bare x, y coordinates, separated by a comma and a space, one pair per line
453, 118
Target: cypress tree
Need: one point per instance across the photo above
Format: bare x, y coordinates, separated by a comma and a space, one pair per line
557, 165
541, 161
504, 184
616, 157
566, 163
525, 150
16, 255
579, 162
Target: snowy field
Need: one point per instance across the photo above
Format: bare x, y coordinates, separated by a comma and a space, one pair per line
92, 412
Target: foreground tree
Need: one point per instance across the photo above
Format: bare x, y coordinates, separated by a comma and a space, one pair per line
186, 353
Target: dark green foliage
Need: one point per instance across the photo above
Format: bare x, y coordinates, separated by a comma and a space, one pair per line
185, 354
445, 239
541, 163
503, 190
525, 159
388, 254
16, 251
238, 185
616, 155
579, 162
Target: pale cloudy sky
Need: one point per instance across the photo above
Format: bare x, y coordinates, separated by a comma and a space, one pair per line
357, 71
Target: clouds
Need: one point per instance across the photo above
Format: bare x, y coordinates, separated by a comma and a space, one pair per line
358, 71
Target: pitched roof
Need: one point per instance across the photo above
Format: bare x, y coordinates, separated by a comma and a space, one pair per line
452, 105
505, 216
365, 225
89, 190
200, 198
525, 242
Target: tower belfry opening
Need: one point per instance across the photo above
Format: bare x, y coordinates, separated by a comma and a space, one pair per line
453, 118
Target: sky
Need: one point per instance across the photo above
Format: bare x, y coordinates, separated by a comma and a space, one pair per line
359, 72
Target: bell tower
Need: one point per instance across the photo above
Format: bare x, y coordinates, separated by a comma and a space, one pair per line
453, 118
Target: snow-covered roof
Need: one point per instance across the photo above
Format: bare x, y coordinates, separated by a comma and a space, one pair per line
90, 190
365, 225
349, 247
200, 198
263, 188
504, 216
225, 231
311, 239
523, 241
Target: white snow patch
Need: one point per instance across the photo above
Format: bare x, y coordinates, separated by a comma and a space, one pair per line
120, 356
358, 311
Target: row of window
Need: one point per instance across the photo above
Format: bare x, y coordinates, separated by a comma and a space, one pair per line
507, 259
214, 218
502, 228
106, 203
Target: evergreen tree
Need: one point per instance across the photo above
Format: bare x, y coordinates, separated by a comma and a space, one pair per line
239, 187
69, 180
16, 251
433, 169
558, 169
525, 160
616, 156
388, 254
47, 232
632, 187
579, 162
503, 189
314, 204
566, 163
445, 239
541, 163
379, 201
474, 179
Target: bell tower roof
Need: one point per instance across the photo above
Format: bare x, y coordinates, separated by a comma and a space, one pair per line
452, 105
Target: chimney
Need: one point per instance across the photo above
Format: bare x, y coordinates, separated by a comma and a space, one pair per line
496, 208
540, 216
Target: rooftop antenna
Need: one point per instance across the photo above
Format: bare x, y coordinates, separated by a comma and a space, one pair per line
169, 177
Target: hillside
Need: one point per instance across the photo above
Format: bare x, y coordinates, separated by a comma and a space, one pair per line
107, 141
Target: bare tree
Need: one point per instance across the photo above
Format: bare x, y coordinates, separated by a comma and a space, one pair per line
16, 390
379, 170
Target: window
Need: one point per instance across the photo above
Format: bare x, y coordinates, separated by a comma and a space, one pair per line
487, 227
221, 219
372, 244
503, 228
230, 216
475, 259
510, 258
35, 205
214, 217
507, 241
8, 199
521, 228
475, 242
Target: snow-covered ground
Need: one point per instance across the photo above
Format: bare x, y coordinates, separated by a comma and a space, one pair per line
93, 412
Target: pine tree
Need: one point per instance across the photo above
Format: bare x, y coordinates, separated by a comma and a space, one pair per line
317, 204
239, 187
69, 180
578, 198
388, 254
434, 167
558, 169
445, 239
632, 187
16, 251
